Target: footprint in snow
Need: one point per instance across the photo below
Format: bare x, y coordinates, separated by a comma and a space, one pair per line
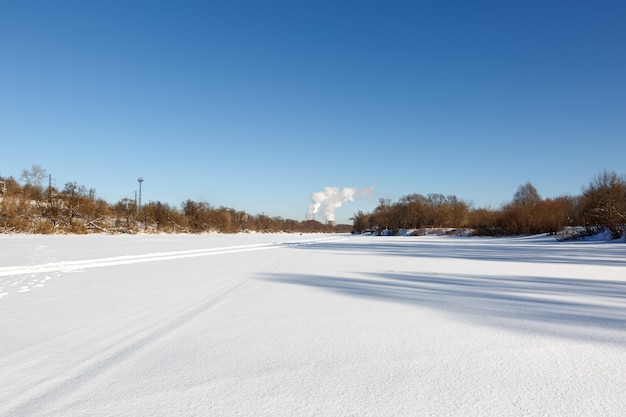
44, 281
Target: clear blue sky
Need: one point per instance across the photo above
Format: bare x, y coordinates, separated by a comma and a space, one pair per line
254, 105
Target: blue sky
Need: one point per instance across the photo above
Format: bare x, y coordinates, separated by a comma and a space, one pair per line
256, 104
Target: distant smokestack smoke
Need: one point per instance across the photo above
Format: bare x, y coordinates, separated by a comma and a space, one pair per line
332, 198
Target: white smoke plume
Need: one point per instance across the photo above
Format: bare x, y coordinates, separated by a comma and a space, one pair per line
332, 198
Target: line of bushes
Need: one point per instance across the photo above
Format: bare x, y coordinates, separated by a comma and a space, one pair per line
601, 206
33, 208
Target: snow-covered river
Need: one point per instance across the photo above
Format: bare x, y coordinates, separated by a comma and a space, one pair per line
311, 325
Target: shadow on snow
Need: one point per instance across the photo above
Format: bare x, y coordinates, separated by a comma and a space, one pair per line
485, 249
590, 310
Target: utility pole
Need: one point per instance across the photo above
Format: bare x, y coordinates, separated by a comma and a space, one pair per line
139, 180
51, 181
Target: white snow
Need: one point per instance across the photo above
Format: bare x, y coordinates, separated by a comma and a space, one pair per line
311, 325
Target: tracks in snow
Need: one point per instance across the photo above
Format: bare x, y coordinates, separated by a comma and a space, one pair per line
23, 278
141, 331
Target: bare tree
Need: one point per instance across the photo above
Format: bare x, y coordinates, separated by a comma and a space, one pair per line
526, 196
35, 177
604, 201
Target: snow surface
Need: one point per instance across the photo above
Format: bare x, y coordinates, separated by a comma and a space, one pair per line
311, 325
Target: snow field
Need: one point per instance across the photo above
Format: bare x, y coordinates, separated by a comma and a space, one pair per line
311, 325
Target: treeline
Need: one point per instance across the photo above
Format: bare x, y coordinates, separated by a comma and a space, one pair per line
37, 208
601, 206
